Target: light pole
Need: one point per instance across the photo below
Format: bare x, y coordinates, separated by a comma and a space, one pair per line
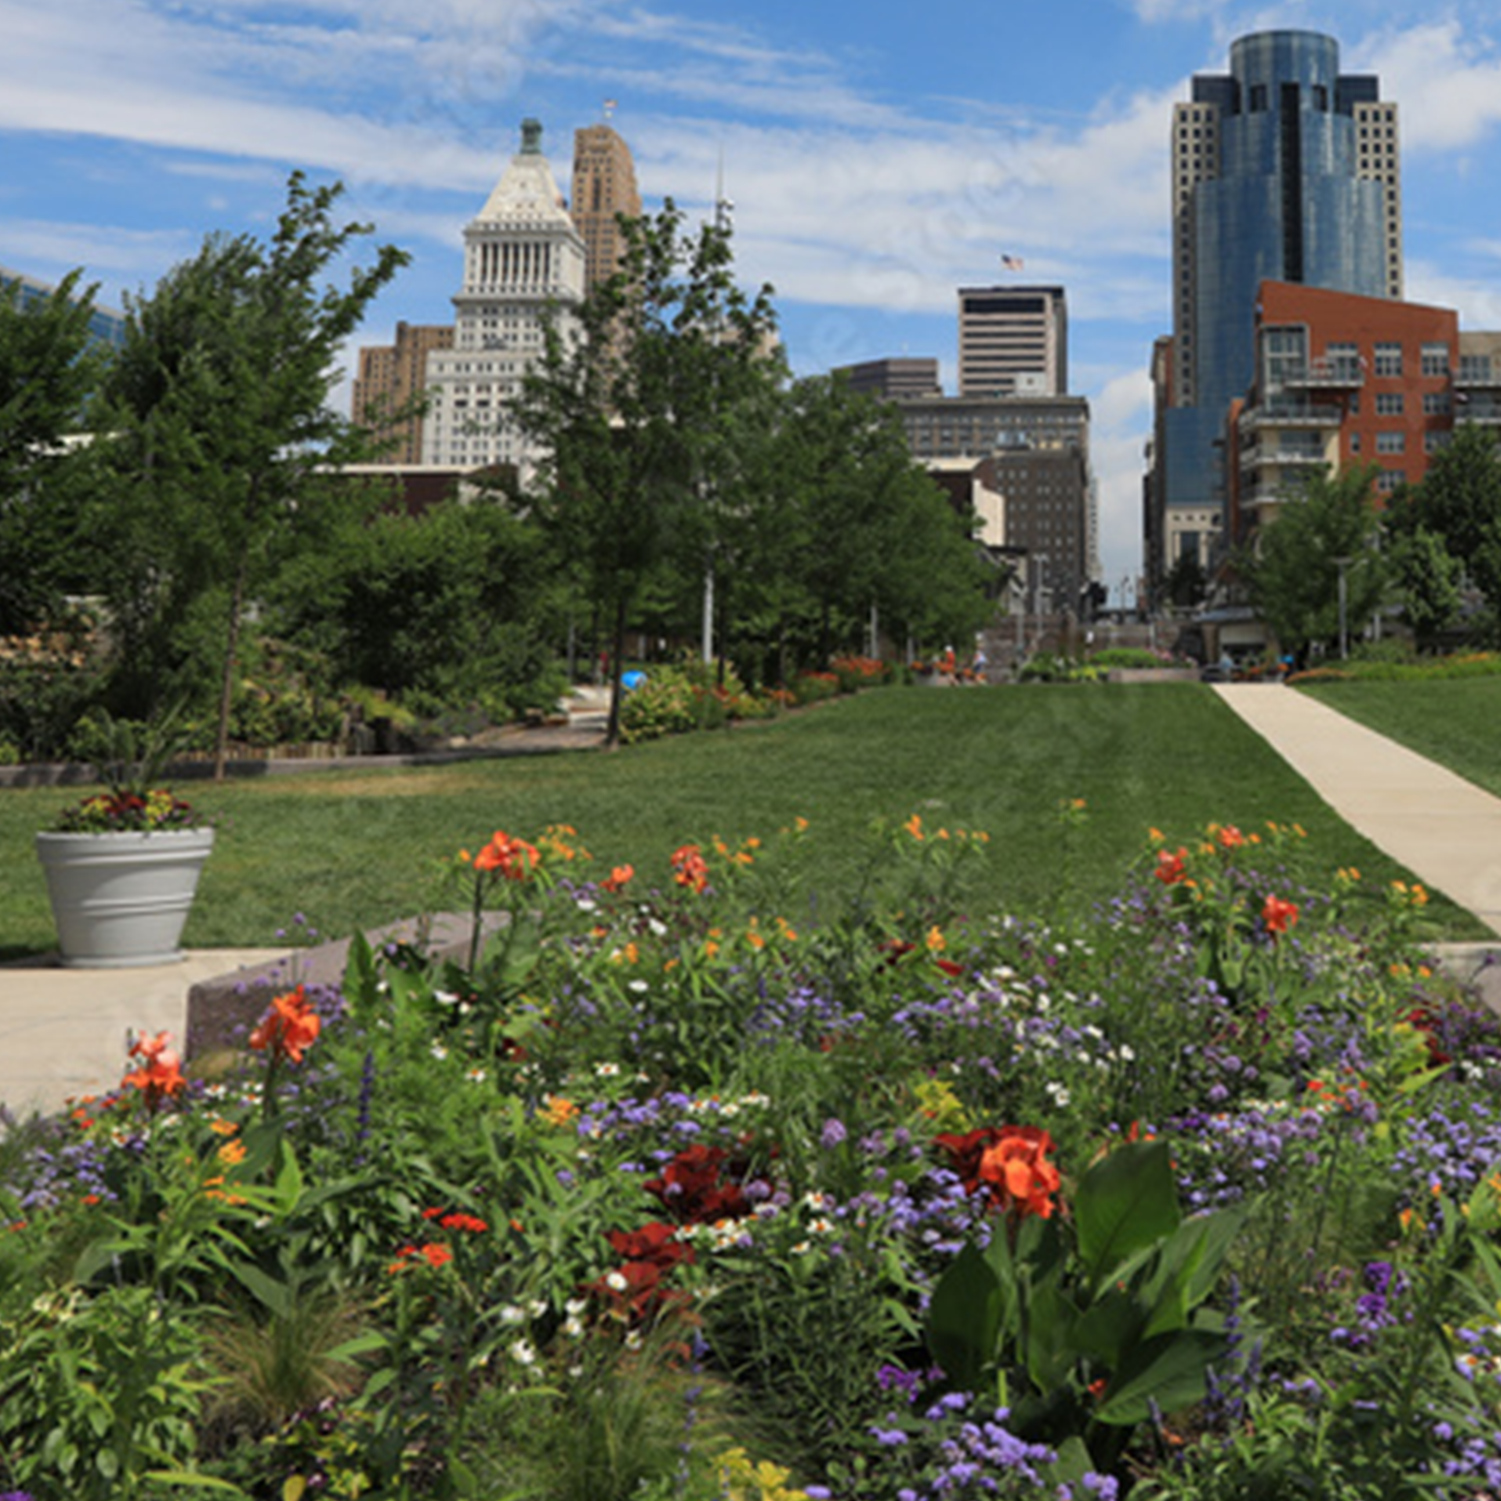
1344, 636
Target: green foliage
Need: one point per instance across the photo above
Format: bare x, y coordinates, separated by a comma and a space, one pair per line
97, 1390
1458, 507
1086, 1337
1294, 573
634, 416
448, 608
1427, 579
48, 371
216, 425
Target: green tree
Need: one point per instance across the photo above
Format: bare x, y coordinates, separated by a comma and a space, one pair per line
48, 370
220, 433
852, 525
1294, 568
1459, 500
1427, 579
443, 610
629, 406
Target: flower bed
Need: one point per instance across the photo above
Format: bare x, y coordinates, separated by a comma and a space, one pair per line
690, 1190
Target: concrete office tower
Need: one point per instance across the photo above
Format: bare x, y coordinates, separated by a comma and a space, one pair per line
1284, 169
604, 185
390, 376
522, 258
1013, 341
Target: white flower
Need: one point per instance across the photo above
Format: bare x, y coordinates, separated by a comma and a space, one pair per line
439, 1051
511, 1314
1058, 1093
523, 1352
606, 1070
445, 998
615, 1282
639, 986
585, 904
657, 927
537, 1307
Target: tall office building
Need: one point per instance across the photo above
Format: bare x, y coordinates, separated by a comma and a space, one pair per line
106, 325
523, 258
604, 186
390, 377
1286, 170
1013, 341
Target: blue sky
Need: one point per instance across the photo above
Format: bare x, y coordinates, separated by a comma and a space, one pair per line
879, 155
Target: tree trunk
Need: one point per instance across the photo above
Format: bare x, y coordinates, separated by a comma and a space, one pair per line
226, 684
617, 661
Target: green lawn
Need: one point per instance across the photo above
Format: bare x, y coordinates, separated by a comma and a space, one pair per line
360, 849
1453, 721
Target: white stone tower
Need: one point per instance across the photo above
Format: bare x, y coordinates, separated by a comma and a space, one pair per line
522, 256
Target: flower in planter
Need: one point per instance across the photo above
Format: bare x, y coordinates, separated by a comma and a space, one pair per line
129, 760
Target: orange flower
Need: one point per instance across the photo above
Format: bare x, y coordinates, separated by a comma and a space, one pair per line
1278, 915
289, 1027
1017, 1168
689, 867
160, 1071
514, 858
619, 878
1230, 837
1171, 866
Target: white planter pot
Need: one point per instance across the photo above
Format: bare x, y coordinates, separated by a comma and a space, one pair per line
121, 900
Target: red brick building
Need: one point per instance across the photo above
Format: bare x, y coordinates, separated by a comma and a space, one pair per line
1341, 379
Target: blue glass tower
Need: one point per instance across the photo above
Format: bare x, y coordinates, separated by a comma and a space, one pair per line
1284, 169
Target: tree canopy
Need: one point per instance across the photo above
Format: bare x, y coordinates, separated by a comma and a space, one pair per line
48, 370
219, 432
1294, 572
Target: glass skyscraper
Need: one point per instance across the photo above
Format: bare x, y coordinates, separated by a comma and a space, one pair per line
1284, 169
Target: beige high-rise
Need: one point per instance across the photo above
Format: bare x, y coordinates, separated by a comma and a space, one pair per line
604, 186
390, 375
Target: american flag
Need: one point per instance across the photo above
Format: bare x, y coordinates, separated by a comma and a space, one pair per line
1012, 262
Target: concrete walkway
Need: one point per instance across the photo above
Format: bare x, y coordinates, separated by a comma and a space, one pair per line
1445, 830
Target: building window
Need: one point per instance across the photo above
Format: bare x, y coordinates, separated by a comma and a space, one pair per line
1354, 442
1474, 367
1388, 359
1258, 98
1389, 480
1436, 442
1388, 403
1435, 359
1391, 442
1436, 404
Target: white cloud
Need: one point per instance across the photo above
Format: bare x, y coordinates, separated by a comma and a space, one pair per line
1445, 78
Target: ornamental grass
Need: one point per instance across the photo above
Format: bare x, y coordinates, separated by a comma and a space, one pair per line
685, 1187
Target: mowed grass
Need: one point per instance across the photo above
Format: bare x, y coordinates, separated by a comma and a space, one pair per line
1455, 722
354, 850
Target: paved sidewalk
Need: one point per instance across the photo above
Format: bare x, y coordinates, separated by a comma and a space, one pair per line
1445, 830
64, 1032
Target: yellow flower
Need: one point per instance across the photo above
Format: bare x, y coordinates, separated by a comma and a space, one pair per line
936, 942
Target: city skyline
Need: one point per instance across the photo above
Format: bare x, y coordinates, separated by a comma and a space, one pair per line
876, 166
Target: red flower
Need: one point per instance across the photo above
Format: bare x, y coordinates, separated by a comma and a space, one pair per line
1278, 915
289, 1028
1171, 866
690, 1188
1230, 837
514, 858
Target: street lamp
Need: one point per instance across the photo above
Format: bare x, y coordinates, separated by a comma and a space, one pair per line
1344, 636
